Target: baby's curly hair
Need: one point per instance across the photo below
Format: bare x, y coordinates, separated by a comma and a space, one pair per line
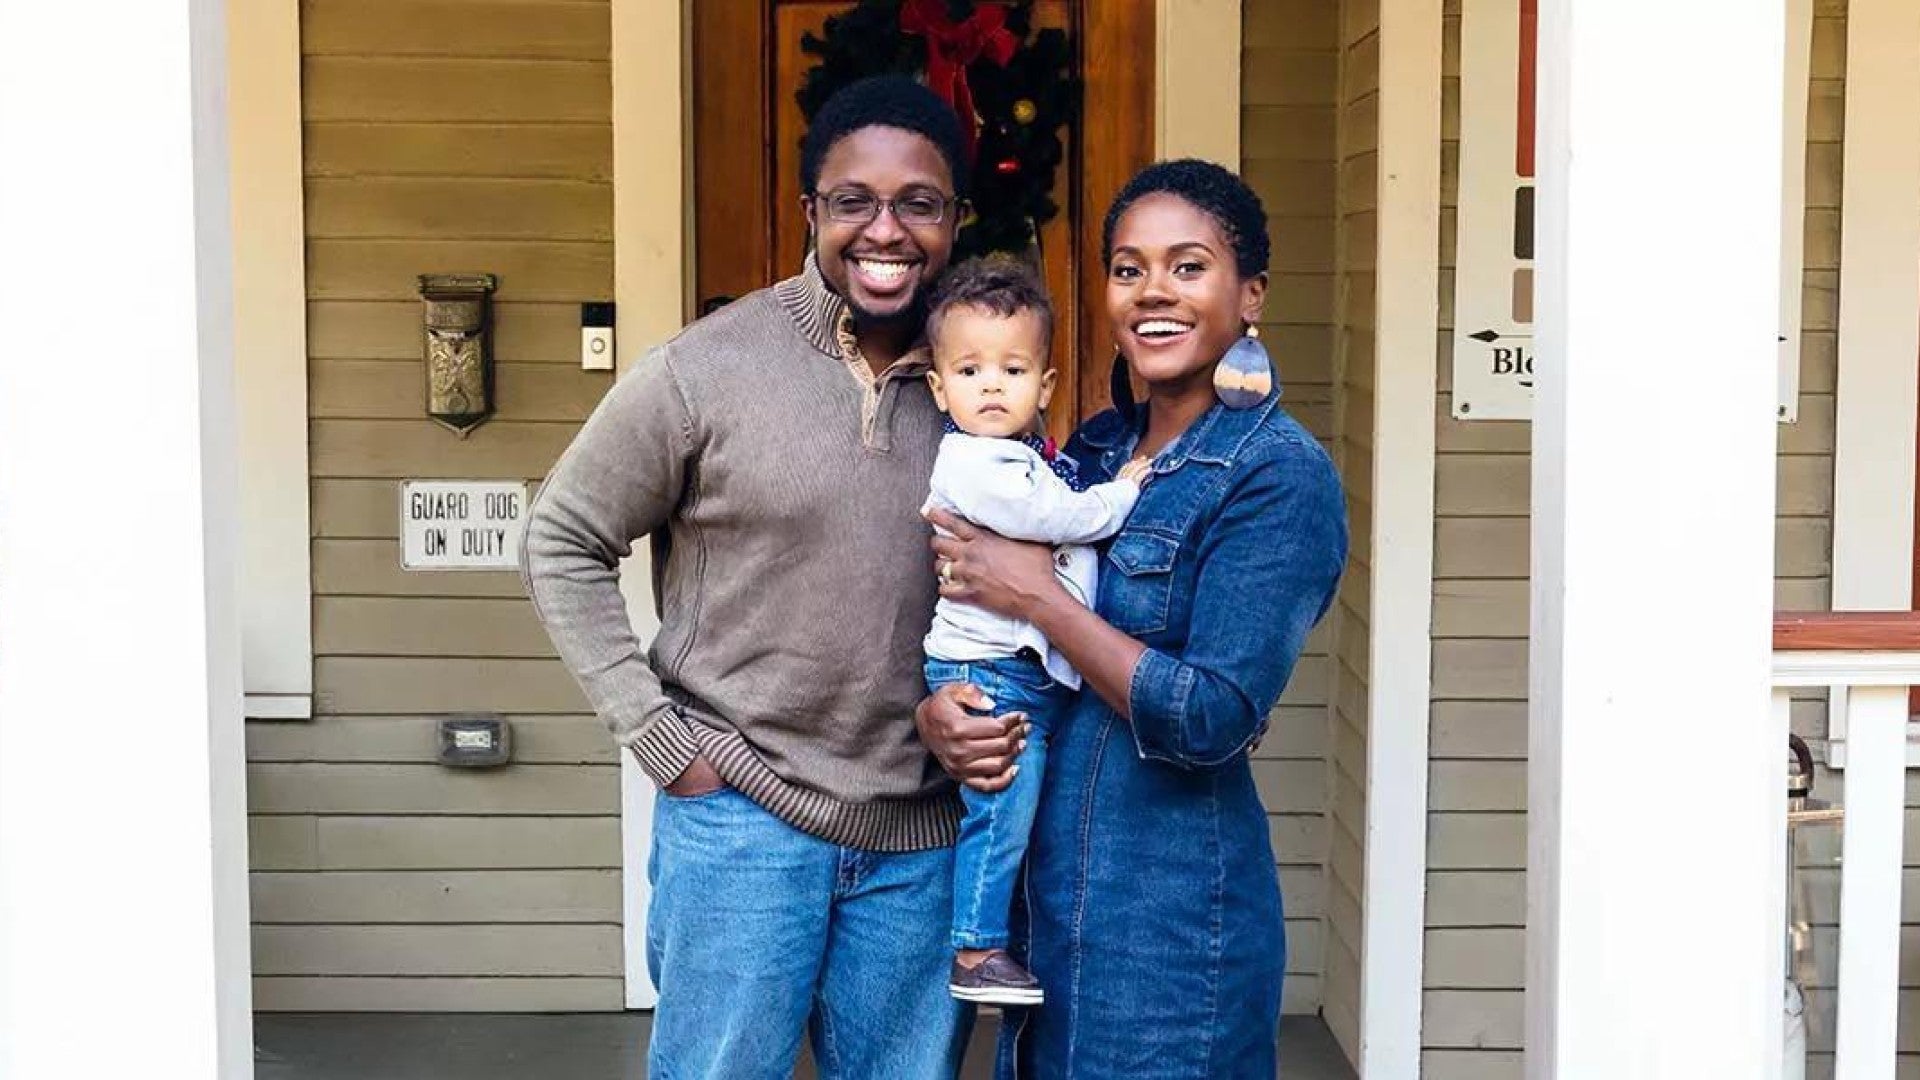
1000, 283
1215, 191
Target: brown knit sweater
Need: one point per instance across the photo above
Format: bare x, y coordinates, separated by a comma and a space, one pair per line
780, 482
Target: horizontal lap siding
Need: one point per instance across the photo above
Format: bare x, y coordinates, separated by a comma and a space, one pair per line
1476, 842
1289, 84
1476, 839
1357, 244
440, 136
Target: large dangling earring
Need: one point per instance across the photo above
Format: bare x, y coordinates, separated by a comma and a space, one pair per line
1244, 377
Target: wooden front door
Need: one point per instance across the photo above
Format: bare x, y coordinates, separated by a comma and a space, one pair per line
749, 229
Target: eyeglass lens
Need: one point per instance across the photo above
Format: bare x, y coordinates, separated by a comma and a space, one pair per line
860, 207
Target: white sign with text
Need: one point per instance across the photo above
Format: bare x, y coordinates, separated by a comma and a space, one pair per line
461, 524
1493, 302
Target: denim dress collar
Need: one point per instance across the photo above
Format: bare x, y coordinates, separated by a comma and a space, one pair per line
1216, 438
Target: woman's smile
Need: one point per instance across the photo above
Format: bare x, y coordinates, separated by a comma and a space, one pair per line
1160, 331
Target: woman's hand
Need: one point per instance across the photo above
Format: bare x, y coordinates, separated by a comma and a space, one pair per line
976, 748
981, 567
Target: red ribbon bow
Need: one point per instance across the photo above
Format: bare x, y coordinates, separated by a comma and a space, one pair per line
952, 45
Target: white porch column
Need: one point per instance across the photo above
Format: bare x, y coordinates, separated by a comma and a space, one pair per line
1873, 453
1656, 906
123, 903
652, 276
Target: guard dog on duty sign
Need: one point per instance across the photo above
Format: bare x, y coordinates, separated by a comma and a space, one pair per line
462, 524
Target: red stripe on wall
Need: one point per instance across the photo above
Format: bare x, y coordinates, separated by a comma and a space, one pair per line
1529, 61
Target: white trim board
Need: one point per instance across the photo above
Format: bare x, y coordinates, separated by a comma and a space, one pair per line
1407, 317
651, 155
279, 706
1793, 202
270, 351
1879, 324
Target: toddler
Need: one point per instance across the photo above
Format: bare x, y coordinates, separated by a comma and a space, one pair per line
990, 324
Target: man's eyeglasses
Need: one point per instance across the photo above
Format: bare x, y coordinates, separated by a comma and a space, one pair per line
915, 208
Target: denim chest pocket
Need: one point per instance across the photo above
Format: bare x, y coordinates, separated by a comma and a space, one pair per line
1137, 590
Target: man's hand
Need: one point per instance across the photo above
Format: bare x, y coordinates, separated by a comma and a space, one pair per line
697, 779
977, 750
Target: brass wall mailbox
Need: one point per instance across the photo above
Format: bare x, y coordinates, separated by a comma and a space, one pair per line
459, 348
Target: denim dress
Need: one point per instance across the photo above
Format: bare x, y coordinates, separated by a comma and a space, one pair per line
1153, 914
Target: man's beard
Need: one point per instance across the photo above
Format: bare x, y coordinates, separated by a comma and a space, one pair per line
914, 314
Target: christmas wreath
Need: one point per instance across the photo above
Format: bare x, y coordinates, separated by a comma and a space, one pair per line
1010, 85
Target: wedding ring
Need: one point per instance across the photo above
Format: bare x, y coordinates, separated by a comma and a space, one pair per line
946, 572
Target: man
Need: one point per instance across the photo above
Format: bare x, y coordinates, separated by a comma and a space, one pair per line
781, 448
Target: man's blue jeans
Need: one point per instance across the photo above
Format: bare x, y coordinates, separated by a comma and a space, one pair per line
758, 932
993, 835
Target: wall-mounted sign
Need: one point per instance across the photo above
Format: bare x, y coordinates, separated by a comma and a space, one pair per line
1493, 274
462, 524
1493, 353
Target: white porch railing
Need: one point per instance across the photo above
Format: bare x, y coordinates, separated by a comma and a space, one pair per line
1870, 660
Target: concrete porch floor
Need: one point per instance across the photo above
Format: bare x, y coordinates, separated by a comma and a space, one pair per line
585, 1046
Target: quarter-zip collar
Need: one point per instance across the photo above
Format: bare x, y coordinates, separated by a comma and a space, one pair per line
824, 319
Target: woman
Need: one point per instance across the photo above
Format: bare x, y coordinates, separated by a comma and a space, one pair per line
1154, 908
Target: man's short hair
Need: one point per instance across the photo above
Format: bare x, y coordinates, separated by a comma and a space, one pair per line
895, 101
999, 283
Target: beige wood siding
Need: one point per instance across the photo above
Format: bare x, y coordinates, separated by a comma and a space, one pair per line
1289, 87
440, 136
1354, 366
1476, 843
1476, 840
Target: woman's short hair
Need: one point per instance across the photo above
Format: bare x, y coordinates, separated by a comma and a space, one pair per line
1003, 284
895, 101
1212, 189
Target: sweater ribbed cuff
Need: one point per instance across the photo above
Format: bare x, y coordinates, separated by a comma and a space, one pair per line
915, 823
665, 749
